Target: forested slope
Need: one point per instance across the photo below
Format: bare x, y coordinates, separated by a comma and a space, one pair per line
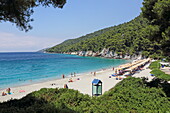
66, 44
128, 38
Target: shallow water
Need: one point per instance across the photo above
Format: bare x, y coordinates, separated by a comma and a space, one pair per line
24, 68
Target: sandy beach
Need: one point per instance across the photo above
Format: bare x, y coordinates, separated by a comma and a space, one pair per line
166, 70
84, 84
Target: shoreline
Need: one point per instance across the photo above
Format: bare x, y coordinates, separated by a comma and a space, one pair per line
59, 83
83, 84
60, 78
38, 81
35, 81
70, 53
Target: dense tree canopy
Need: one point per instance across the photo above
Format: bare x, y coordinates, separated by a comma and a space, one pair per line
127, 38
158, 13
19, 11
151, 36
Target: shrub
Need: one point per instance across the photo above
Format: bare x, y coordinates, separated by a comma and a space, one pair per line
155, 66
130, 95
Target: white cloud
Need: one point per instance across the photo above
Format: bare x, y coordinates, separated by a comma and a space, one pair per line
15, 43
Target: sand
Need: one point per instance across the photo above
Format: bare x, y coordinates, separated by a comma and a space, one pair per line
84, 85
144, 73
166, 70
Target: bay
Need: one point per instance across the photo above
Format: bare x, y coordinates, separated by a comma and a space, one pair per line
30, 67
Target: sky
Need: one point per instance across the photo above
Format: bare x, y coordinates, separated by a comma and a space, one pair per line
52, 26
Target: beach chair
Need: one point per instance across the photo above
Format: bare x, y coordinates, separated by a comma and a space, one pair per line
114, 75
152, 75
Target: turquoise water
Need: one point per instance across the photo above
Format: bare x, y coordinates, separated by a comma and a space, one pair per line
25, 68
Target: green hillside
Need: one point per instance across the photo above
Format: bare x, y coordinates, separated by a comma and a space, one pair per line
132, 95
148, 33
61, 47
128, 38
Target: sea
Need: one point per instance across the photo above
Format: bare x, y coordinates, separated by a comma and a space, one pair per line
22, 68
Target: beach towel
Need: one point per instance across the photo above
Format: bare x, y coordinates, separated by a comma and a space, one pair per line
21, 91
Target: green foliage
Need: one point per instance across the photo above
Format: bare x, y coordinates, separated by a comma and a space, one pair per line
158, 14
156, 56
135, 97
160, 74
130, 95
69, 43
155, 66
128, 38
150, 34
145, 53
19, 11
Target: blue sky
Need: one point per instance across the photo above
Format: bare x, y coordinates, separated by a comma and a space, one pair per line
78, 17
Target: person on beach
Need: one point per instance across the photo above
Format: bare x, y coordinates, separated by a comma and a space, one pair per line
71, 74
94, 73
116, 71
3, 94
65, 86
8, 91
74, 74
70, 80
63, 76
113, 68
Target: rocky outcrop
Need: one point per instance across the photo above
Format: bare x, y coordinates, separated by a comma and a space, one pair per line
89, 53
127, 57
104, 52
107, 54
74, 53
81, 53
